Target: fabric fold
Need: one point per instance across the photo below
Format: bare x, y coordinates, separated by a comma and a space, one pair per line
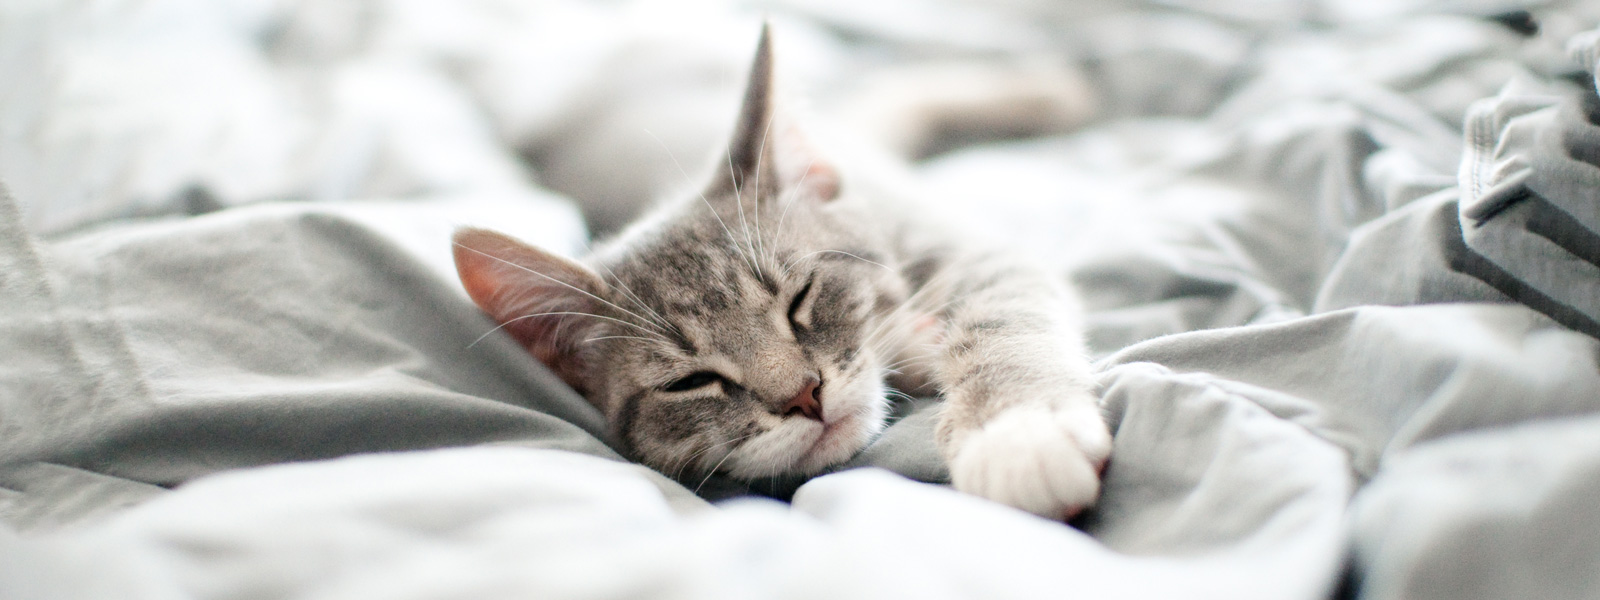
1530, 195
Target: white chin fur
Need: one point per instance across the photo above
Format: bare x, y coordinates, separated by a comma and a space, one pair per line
804, 447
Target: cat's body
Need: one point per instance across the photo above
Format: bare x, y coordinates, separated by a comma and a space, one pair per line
754, 328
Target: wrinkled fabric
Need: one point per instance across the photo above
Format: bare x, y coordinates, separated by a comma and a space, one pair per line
1530, 202
1333, 255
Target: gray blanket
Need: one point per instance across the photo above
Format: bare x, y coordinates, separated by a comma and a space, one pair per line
1347, 350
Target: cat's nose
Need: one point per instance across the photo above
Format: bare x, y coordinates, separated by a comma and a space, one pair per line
806, 403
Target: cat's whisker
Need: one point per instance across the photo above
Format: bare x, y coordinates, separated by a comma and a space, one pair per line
677, 472
563, 284
761, 155
879, 265
891, 332
899, 394
894, 319
884, 327
933, 286
895, 366
890, 347
618, 337
623, 287
654, 317
690, 458
702, 195
738, 201
564, 313
795, 261
684, 464
788, 265
791, 201
876, 264
725, 458
873, 338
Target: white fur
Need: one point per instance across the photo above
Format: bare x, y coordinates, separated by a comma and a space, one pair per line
1041, 460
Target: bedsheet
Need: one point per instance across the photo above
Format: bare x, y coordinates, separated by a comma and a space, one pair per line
1337, 280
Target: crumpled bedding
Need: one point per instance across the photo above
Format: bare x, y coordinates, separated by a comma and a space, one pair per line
1339, 263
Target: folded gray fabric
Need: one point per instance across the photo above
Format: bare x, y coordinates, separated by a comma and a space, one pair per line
1434, 407
1530, 196
155, 353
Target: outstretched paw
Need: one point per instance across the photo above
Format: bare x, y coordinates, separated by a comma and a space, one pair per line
1044, 461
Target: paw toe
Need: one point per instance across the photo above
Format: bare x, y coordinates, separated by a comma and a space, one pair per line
1031, 464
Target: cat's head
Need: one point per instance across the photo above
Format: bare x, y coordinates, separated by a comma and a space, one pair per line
736, 330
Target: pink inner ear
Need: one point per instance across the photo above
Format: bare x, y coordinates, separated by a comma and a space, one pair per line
515, 283
803, 170
820, 182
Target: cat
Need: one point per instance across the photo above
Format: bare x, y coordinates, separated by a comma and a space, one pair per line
756, 328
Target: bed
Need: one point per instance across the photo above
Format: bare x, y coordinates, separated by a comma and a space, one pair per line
1341, 264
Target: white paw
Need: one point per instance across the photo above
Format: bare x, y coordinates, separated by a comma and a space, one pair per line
1043, 461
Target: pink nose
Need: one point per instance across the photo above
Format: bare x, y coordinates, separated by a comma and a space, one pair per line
806, 403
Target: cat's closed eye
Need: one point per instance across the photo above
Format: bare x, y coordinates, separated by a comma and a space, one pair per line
799, 309
693, 381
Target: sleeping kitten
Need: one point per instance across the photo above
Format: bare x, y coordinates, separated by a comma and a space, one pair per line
753, 329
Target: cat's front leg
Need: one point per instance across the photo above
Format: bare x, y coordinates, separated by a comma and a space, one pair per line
1042, 459
1021, 422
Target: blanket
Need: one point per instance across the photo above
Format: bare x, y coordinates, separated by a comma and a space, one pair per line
1339, 262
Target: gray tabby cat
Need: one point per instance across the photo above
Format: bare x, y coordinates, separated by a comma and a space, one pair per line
752, 329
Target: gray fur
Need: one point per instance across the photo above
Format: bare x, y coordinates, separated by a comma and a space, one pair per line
709, 284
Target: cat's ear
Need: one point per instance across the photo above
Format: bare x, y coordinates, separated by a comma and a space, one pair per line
768, 152
544, 301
